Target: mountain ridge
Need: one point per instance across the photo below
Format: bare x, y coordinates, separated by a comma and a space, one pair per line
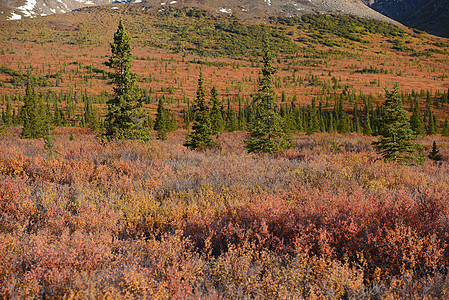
255, 9
431, 16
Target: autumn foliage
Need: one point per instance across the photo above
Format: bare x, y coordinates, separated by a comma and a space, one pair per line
327, 219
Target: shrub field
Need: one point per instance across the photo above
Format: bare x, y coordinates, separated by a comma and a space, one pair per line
325, 220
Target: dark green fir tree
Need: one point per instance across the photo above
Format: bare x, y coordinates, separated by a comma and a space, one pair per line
396, 133
416, 121
8, 115
232, 123
367, 124
162, 123
434, 154
173, 123
149, 121
267, 133
216, 117
314, 125
48, 142
445, 131
34, 115
200, 137
125, 118
432, 127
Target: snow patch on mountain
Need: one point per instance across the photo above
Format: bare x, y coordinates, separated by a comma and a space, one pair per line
27, 8
88, 2
225, 10
15, 16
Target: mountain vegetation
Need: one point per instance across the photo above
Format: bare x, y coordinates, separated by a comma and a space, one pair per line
104, 194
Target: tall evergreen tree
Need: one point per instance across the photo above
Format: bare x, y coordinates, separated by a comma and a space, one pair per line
232, 120
34, 115
162, 123
173, 122
445, 131
8, 116
416, 121
200, 137
367, 126
432, 127
216, 118
267, 132
94, 120
125, 117
343, 123
314, 125
58, 115
148, 121
367, 123
396, 133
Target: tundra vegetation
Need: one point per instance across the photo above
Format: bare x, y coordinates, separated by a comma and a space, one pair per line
322, 217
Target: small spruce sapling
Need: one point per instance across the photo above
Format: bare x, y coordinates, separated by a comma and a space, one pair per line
49, 143
434, 154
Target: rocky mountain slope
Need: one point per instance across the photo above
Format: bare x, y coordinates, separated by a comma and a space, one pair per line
17, 9
394, 9
246, 9
429, 15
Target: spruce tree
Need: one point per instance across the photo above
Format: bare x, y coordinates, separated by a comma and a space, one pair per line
267, 132
434, 154
343, 123
200, 137
173, 122
34, 116
94, 120
149, 122
445, 131
162, 123
232, 120
58, 115
432, 126
216, 118
416, 121
314, 125
8, 116
48, 142
124, 119
396, 133
367, 125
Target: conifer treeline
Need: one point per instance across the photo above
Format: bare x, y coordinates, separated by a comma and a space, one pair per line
341, 112
66, 108
365, 118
